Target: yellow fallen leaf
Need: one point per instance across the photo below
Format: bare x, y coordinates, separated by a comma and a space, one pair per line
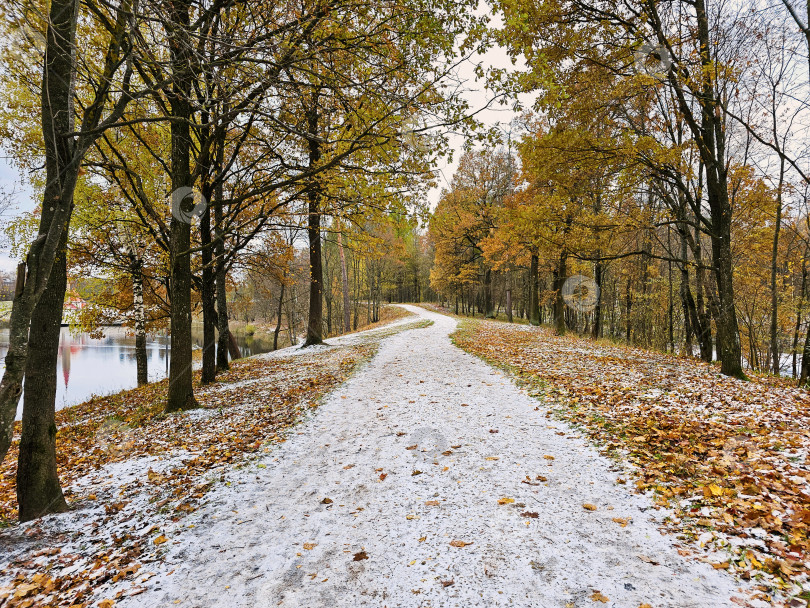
505, 501
458, 543
716, 490
622, 521
423, 539
160, 540
644, 606
548, 457
432, 503
491, 458
310, 546
589, 507
599, 597
106, 604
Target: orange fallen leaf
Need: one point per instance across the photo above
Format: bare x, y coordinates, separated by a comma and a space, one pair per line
459, 543
505, 501
310, 546
597, 596
160, 540
589, 507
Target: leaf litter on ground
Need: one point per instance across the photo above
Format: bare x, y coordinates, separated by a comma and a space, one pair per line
728, 457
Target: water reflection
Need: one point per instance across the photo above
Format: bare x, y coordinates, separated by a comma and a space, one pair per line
100, 366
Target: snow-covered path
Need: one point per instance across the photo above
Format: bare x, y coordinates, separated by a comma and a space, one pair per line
347, 513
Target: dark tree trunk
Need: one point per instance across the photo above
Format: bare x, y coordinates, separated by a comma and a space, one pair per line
141, 358
181, 391
534, 288
509, 305
278, 313
704, 325
220, 279
38, 489
596, 329
315, 322
489, 307
208, 297
776, 363
559, 303
804, 377
802, 295
344, 282
62, 163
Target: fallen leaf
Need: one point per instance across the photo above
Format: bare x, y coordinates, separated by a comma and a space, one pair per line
548, 457
432, 503
326, 501
160, 540
359, 556
597, 596
310, 546
383, 476
448, 583
589, 507
531, 514
505, 501
459, 543
622, 521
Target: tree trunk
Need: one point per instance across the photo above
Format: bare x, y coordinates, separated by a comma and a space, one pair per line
534, 305
509, 305
223, 332
278, 313
344, 276
38, 489
489, 308
141, 359
62, 164
802, 295
559, 303
776, 363
208, 297
181, 391
596, 329
315, 322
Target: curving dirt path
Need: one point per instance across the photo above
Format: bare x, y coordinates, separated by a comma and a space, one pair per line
344, 514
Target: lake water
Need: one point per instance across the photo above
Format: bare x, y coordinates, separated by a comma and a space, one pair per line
91, 366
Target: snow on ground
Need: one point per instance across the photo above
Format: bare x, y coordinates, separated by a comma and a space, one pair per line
420, 483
